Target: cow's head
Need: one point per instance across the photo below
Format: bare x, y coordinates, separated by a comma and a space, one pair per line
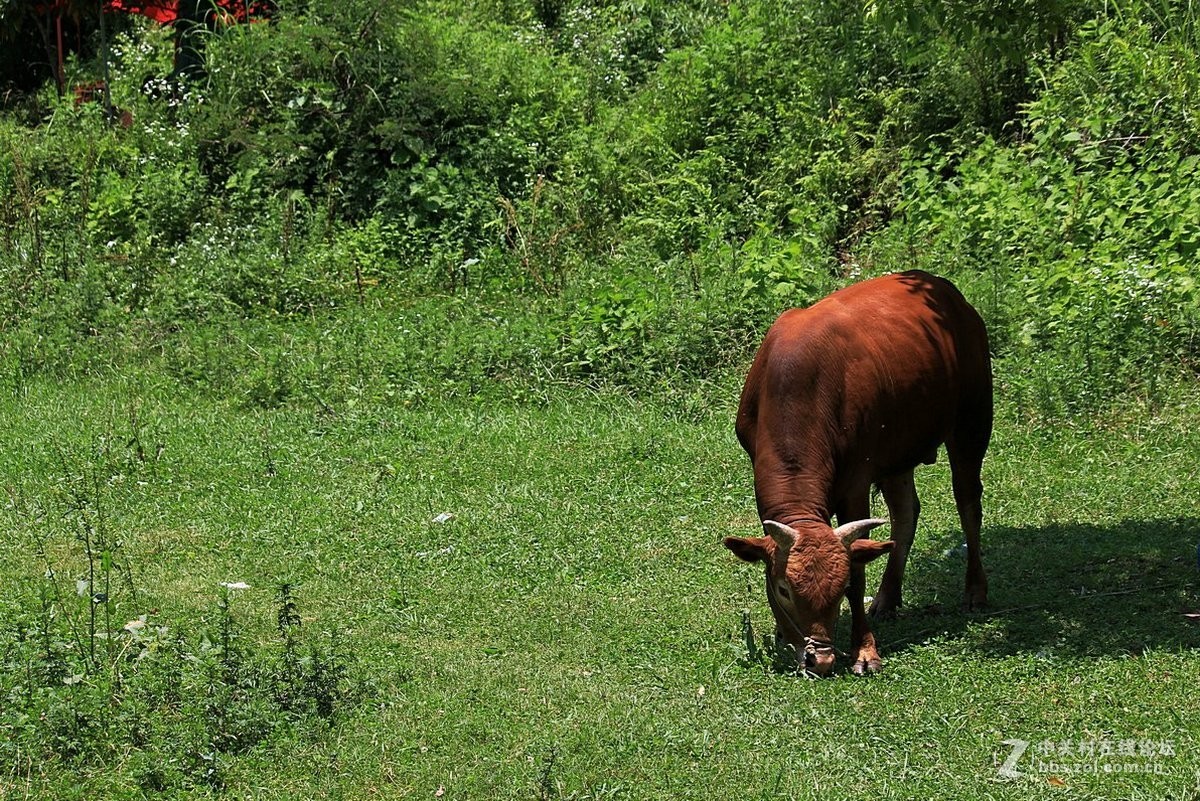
808, 571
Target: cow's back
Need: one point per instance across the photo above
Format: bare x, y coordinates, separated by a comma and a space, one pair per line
870, 379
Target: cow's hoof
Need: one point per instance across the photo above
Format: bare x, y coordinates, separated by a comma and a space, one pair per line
864, 667
975, 602
883, 608
975, 596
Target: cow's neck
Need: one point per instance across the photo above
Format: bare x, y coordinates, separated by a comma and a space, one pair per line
793, 499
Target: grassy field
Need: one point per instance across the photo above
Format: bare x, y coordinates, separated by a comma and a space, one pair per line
574, 629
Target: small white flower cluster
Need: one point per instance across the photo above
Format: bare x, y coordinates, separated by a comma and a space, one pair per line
212, 242
145, 48
1135, 291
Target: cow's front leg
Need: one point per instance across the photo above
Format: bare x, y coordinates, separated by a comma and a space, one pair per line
864, 656
904, 508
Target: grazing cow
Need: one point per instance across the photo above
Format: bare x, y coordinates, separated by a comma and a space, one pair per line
855, 391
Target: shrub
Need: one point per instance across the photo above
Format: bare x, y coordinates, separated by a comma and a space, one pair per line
1080, 242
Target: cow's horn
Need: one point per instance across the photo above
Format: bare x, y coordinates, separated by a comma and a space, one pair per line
784, 536
849, 532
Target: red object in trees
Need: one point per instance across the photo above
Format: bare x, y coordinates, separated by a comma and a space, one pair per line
166, 11
163, 11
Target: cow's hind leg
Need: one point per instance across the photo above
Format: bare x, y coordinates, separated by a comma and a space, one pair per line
966, 464
904, 507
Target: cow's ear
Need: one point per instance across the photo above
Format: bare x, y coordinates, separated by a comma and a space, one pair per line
863, 551
748, 549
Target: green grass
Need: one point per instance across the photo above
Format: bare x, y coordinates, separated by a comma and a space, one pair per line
575, 630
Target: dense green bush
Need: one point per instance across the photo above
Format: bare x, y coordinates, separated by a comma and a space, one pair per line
419, 117
1081, 241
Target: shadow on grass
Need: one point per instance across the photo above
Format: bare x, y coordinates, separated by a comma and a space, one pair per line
1067, 590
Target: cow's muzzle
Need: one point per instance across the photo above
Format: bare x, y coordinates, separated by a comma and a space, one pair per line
819, 656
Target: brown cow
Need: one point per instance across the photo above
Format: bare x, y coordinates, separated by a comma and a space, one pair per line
858, 390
